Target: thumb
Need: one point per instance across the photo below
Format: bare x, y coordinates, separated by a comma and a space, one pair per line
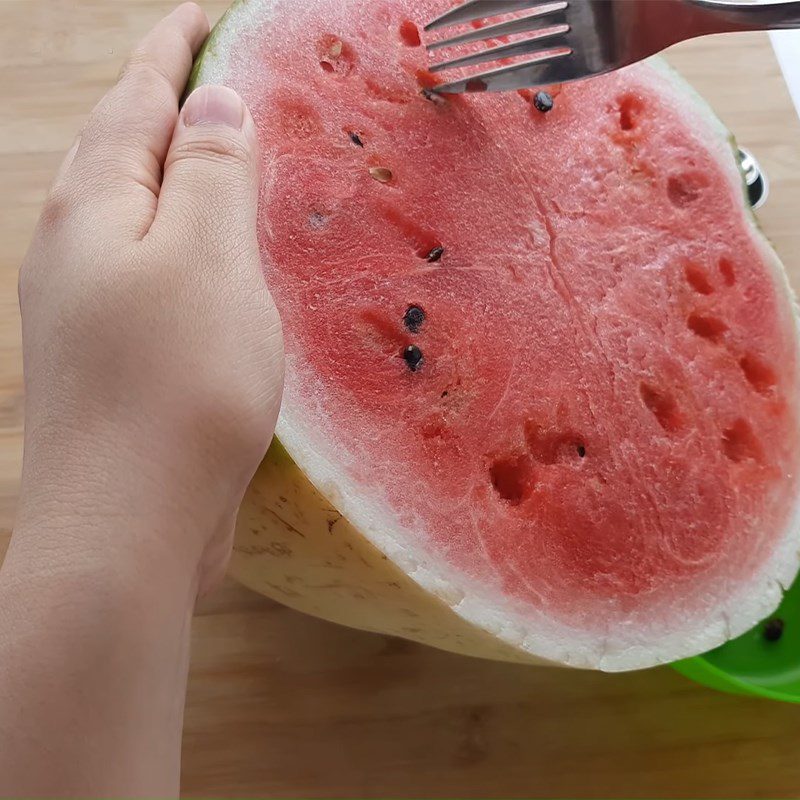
211, 174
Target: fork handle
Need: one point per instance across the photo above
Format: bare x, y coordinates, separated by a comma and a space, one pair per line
725, 16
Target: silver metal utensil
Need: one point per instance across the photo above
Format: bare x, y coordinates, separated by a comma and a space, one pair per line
572, 39
755, 179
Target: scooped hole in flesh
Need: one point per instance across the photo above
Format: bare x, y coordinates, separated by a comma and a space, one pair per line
297, 119
727, 271
685, 189
409, 33
696, 278
553, 446
759, 375
739, 443
511, 478
335, 55
662, 405
427, 80
706, 327
630, 110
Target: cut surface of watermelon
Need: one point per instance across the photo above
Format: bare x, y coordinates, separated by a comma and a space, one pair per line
544, 363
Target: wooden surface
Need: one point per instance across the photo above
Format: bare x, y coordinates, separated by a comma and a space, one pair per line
284, 705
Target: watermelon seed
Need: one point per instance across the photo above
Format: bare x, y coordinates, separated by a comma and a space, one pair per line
336, 56
436, 254
355, 139
543, 102
427, 81
444, 394
773, 630
413, 318
436, 99
317, 221
413, 357
548, 446
381, 174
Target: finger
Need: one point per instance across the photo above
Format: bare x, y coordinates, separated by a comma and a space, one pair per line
211, 174
125, 141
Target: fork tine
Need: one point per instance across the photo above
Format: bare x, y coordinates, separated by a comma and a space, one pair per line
525, 47
521, 25
478, 9
546, 68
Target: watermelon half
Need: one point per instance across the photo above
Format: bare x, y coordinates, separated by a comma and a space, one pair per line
542, 367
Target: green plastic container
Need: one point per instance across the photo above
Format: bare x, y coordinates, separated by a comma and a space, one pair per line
752, 664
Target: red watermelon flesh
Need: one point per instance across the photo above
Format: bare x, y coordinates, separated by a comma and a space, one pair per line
601, 435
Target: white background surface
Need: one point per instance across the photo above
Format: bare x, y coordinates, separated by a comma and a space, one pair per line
787, 48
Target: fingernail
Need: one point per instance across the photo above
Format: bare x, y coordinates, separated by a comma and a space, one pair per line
214, 105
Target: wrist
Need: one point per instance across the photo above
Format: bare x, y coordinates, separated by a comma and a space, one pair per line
88, 508
126, 485
103, 645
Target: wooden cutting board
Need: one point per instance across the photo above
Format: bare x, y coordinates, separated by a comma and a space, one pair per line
286, 706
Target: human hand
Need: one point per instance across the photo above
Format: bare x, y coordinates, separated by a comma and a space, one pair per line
153, 374
152, 349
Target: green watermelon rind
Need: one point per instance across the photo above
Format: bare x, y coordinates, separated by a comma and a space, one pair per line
209, 48
490, 615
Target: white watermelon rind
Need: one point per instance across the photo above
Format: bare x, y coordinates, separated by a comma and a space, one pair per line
310, 540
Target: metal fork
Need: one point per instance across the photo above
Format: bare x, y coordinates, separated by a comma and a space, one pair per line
573, 39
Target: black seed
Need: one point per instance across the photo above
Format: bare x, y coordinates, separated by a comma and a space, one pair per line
543, 102
445, 393
434, 97
317, 220
413, 357
356, 139
413, 318
435, 254
773, 630
581, 451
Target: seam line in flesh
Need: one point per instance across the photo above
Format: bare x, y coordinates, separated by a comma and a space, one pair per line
562, 287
